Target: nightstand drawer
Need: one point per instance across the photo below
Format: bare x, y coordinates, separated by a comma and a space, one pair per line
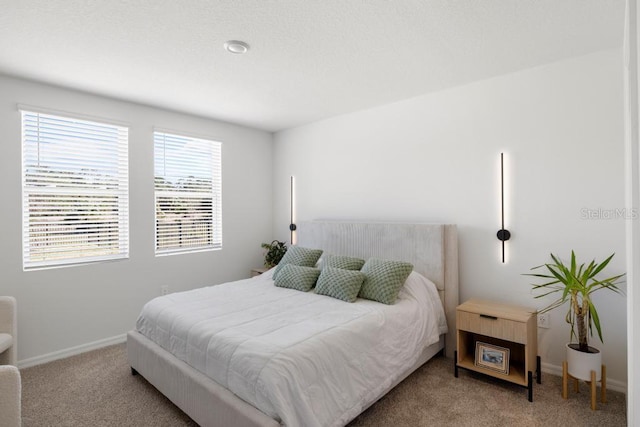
258, 271
493, 326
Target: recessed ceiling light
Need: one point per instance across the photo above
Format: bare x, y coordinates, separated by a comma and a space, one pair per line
236, 46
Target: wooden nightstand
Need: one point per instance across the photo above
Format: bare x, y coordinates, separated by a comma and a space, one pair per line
507, 335
258, 271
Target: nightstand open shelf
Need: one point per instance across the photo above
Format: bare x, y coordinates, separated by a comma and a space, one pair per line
466, 356
506, 327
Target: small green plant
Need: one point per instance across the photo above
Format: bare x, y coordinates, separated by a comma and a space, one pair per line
576, 283
275, 252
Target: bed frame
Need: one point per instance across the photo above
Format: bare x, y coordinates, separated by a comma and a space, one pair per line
431, 248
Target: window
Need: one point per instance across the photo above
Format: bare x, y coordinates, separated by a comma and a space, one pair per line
187, 193
74, 191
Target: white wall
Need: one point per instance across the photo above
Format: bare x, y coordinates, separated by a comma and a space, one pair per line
434, 158
68, 307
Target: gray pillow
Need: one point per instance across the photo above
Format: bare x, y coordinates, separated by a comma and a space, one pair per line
339, 283
298, 255
344, 262
297, 277
384, 279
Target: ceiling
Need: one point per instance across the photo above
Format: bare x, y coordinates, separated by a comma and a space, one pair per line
309, 59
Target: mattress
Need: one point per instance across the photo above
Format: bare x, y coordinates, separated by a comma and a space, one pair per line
301, 358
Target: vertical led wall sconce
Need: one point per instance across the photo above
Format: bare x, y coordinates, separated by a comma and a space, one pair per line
503, 235
292, 225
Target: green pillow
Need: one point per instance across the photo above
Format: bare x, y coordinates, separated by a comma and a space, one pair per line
384, 279
298, 255
339, 283
297, 277
344, 262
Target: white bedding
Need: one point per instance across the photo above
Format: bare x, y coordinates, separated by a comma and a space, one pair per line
301, 358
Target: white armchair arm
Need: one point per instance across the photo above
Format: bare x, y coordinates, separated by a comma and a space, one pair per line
9, 325
10, 396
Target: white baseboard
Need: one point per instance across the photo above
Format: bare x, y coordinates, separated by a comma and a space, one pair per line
611, 384
61, 354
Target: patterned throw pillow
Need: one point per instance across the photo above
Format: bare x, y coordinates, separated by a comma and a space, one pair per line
344, 262
384, 279
297, 277
339, 283
298, 255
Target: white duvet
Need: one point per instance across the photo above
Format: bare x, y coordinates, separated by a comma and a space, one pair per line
301, 358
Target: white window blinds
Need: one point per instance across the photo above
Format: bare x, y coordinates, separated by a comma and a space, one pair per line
74, 191
188, 193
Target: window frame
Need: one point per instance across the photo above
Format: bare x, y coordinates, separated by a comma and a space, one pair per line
105, 223
214, 223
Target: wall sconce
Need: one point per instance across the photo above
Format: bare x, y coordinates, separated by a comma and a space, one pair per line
292, 225
503, 235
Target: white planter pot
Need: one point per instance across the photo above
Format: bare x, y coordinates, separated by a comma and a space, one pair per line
581, 364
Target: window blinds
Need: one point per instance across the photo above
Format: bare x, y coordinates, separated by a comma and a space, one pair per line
74, 190
188, 193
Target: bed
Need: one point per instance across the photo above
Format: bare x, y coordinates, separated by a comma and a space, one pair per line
200, 389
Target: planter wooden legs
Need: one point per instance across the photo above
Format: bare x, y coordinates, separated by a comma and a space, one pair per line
592, 383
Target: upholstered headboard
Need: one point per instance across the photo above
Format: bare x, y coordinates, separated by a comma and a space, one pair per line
431, 248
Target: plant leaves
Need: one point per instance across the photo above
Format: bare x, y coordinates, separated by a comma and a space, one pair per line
593, 318
577, 282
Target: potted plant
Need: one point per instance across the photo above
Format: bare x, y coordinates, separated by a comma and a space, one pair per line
275, 252
576, 285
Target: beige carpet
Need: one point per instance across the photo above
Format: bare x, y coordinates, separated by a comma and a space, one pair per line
97, 389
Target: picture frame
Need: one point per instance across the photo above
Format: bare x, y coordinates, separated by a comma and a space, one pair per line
492, 357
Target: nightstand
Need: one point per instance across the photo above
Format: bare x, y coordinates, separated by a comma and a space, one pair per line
258, 271
500, 340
